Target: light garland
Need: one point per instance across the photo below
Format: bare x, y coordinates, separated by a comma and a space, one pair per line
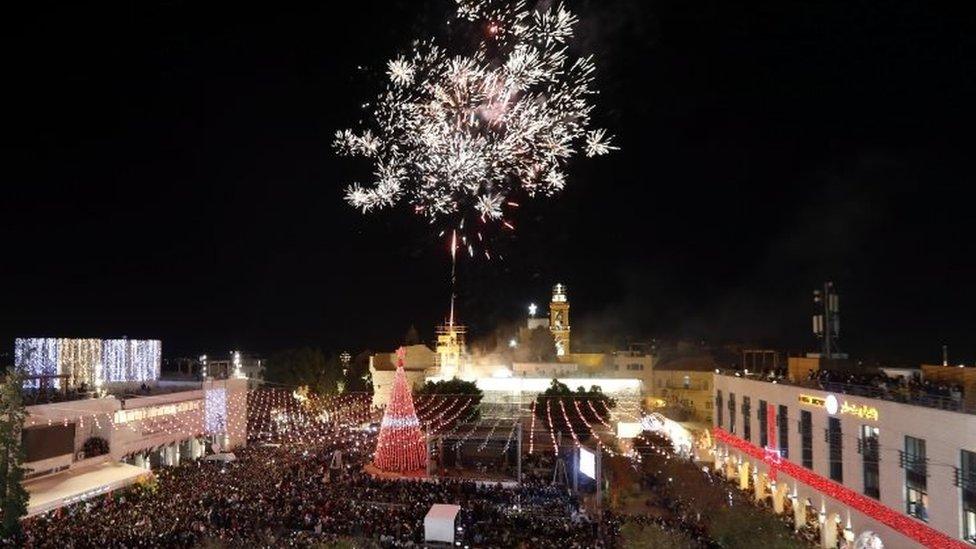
215, 411
400, 446
552, 435
532, 428
37, 356
914, 529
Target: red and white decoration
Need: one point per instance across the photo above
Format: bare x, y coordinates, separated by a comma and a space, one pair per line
401, 446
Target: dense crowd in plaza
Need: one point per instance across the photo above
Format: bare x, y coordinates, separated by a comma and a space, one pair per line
291, 495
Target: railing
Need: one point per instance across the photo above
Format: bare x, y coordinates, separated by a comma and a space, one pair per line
700, 386
963, 480
916, 398
902, 395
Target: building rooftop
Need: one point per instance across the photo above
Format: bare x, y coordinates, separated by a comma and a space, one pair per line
930, 394
703, 363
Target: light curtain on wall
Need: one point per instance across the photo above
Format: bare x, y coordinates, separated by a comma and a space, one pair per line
88, 361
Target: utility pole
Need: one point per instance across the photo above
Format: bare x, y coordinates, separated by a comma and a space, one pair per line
599, 480
518, 453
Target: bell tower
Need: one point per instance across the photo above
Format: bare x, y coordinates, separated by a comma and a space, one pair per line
559, 319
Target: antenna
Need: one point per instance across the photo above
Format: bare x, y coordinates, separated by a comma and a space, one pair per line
826, 319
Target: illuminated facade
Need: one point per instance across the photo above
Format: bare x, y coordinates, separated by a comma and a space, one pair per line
146, 431
685, 384
904, 473
450, 350
88, 362
418, 362
559, 319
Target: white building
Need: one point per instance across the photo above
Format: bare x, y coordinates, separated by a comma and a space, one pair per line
878, 470
142, 431
418, 362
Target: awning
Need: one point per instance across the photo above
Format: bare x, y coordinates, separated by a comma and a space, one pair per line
79, 484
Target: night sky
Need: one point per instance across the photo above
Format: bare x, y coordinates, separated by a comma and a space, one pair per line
170, 175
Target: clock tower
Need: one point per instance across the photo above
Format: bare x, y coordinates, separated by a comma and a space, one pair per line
559, 319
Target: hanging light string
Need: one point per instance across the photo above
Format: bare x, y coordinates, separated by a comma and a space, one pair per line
511, 435
488, 436
552, 435
532, 429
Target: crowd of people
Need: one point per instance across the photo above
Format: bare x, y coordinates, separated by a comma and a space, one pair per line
307, 494
877, 384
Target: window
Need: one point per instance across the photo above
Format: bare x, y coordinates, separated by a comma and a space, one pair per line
763, 424
835, 449
784, 431
915, 463
871, 454
633, 366
708, 404
718, 407
687, 382
967, 481
746, 424
732, 413
806, 438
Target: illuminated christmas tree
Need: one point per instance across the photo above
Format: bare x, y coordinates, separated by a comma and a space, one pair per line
401, 446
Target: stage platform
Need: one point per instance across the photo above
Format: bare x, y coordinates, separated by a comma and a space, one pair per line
421, 476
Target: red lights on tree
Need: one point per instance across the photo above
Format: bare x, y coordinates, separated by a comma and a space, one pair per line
401, 446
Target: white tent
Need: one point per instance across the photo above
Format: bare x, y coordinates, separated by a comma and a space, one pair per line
79, 484
439, 523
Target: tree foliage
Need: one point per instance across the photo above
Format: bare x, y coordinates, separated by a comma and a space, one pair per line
635, 535
457, 387
305, 366
13, 496
453, 386
95, 446
745, 526
357, 378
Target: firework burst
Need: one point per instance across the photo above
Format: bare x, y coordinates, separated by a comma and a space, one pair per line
462, 136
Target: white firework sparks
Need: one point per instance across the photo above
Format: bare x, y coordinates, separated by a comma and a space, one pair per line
490, 206
400, 71
598, 144
460, 135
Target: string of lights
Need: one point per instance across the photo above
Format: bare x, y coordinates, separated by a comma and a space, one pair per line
906, 525
532, 429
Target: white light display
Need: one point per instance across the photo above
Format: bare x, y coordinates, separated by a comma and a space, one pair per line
587, 463
145, 357
400, 423
89, 361
215, 411
131, 360
37, 356
79, 359
115, 355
